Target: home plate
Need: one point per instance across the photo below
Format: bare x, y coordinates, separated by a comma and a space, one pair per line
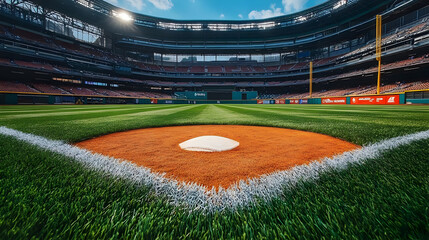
209, 144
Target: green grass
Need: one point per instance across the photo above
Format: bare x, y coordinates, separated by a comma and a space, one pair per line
44, 195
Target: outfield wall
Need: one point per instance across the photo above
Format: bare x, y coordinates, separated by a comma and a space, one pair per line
417, 97
7, 98
411, 97
388, 99
203, 95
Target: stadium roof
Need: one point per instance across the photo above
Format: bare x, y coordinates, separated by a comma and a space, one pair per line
215, 10
325, 19
106, 8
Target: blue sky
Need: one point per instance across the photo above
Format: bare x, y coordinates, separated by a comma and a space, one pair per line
215, 9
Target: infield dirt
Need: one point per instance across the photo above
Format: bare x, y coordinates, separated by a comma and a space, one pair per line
262, 150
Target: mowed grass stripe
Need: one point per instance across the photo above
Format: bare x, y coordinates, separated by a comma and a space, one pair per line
53, 108
357, 132
129, 115
53, 119
216, 114
101, 126
362, 110
87, 114
79, 127
75, 112
375, 117
364, 128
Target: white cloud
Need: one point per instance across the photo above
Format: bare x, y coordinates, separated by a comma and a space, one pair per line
162, 4
291, 6
240, 16
273, 12
138, 4
222, 16
114, 2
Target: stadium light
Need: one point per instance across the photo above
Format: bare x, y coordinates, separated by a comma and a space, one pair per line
339, 4
124, 16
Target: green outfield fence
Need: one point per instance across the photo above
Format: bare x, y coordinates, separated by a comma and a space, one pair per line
409, 97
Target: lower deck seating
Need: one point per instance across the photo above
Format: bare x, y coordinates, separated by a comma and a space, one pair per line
363, 90
48, 88
14, 86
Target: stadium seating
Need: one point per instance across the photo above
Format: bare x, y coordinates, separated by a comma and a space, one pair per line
285, 67
214, 69
417, 86
14, 86
5, 61
169, 69
35, 65
362, 90
108, 92
234, 68
272, 68
401, 34
388, 88
201, 69
182, 69
197, 69
47, 88
299, 65
259, 69
58, 88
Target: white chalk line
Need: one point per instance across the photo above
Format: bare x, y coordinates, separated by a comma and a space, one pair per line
196, 197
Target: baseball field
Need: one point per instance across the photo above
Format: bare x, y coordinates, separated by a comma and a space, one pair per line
50, 193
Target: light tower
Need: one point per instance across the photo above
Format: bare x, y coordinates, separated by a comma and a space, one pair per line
378, 49
311, 78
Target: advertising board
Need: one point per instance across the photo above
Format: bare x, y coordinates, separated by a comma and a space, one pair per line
375, 100
339, 100
265, 101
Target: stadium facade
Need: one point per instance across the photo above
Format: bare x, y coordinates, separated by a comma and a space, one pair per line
68, 50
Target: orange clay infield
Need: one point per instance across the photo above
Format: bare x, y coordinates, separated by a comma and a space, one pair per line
262, 150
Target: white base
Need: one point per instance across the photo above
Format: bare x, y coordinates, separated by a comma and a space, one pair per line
209, 144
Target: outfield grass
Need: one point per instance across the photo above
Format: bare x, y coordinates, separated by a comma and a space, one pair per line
44, 195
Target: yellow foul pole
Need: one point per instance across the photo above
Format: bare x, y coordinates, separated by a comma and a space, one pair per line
311, 78
378, 49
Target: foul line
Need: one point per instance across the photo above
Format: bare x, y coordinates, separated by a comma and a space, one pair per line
197, 197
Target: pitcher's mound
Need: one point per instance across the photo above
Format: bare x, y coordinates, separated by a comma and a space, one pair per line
261, 150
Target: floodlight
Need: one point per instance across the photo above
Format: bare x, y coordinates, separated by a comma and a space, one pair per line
339, 4
124, 16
